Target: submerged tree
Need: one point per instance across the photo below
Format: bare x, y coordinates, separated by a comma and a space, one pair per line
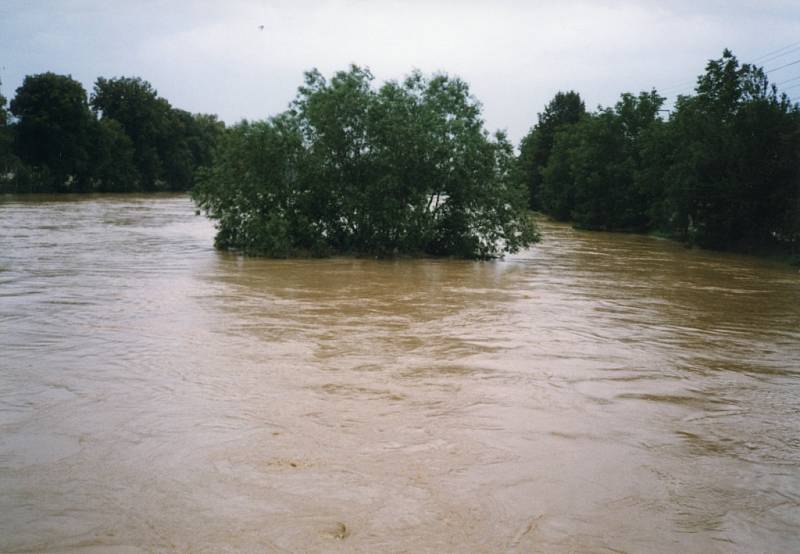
405, 169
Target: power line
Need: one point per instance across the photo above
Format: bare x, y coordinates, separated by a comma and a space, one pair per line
777, 53
679, 85
768, 56
793, 51
782, 66
788, 81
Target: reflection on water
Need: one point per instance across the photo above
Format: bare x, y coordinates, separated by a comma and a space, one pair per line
598, 393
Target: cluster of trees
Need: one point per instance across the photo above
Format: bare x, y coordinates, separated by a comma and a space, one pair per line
722, 171
404, 169
408, 168
123, 138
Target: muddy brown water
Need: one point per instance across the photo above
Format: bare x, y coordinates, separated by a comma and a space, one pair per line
598, 393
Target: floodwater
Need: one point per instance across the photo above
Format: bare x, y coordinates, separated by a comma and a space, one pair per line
598, 393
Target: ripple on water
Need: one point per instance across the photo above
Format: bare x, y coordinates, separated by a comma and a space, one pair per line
598, 392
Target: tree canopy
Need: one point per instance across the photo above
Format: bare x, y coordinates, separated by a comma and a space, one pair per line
722, 171
130, 139
564, 109
3, 111
408, 168
53, 122
591, 176
7, 157
404, 169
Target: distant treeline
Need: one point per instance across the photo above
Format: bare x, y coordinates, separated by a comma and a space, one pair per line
409, 167
124, 138
721, 171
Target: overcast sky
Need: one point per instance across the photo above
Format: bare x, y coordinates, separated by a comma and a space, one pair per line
211, 56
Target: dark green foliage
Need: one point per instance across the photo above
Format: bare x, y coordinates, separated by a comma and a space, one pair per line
734, 182
201, 133
138, 142
722, 172
135, 105
3, 111
406, 169
168, 144
591, 176
113, 168
7, 157
53, 129
253, 210
564, 109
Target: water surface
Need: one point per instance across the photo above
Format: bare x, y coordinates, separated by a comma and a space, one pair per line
598, 393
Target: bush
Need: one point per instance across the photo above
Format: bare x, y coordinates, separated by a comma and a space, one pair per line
407, 169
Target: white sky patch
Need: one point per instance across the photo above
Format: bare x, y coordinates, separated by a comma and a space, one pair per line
207, 56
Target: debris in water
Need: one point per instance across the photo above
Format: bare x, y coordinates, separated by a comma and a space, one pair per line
341, 531
338, 531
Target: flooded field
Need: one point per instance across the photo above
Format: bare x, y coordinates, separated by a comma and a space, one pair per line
600, 392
